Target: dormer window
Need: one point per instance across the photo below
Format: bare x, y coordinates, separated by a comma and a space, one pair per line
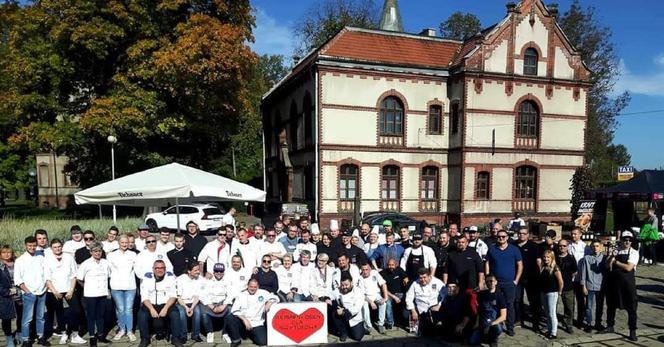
530, 59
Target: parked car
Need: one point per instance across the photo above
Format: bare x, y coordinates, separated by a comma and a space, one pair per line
207, 216
398, 220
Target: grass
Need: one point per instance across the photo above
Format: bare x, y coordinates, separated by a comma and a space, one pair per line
14, 230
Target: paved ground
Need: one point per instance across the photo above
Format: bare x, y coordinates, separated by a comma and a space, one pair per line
650, 284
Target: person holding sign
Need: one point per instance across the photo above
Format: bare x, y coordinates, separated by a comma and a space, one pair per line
248, 314
347, 310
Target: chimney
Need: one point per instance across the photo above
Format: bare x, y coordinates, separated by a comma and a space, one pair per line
391, 18
511, 7
428, 32
296, 60
553, 9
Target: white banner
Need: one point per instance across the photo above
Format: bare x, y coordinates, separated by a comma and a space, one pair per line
297, 324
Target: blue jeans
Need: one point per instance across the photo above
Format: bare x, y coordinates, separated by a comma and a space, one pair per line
509, 293
195, 320
389, 311
207, 316
32, 303
491, 336
124, 304
594, 298
550, 302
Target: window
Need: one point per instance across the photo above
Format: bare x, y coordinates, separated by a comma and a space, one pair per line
435, 120
293, 120
527, 120
348, 178
44, 179
429, 184
525, 182
482, 185
308, 120
391, 117
455, 119
390, 183
530, 59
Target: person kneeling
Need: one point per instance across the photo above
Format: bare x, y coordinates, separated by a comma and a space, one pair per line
456, 314
159, 295
347, 310
492, 312
423, 300
247, 314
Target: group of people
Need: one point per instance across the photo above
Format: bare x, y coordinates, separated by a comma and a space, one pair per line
466, 288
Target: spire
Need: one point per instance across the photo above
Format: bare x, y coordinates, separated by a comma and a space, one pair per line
391, 19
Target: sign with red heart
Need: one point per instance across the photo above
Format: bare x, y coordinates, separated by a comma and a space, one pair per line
297, 323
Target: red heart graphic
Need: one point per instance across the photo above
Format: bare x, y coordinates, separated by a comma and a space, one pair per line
298, 327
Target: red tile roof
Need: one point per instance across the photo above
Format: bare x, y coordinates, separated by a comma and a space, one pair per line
391, 49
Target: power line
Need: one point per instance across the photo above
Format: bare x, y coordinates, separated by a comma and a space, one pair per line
639, 112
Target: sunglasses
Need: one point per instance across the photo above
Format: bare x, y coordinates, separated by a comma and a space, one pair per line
267, 261
562, 245
153, 241
88, 238
502, 237
271, 235
220, 234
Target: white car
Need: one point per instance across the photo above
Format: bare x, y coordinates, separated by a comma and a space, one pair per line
208, 217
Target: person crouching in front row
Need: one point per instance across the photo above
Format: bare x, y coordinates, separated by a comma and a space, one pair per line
347, 310
492, 311
423, 301
247, 315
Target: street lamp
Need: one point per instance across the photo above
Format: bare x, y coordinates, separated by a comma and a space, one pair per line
113, 140
33, 183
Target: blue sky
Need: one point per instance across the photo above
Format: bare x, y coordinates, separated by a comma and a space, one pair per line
637, 34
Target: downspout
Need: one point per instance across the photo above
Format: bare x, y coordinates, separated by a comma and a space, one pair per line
316, 146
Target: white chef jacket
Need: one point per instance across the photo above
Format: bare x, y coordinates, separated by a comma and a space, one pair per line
60, 272
249, 253
109, 246
578, 249
311, 247
215, 291
424, 297
321, 282
164, 247
429, 256
145, 261
252, 307
286, 278
122, 269
188, 288
302, 279
266, 247
211, 254
70, 247
29, 270
480, 247
158, 293
354, 274
352, 302
228, 219
139, 244
371, 285
94, 275
237, 280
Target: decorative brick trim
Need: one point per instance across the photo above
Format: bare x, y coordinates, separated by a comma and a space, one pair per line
366, 109
538, 174
536, 47
540, 151
361, 148
377, 75
477, 83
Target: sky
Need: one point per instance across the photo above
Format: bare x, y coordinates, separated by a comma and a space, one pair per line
637, 35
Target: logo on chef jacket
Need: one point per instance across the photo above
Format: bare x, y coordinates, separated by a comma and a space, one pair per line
434, 286
373, 278
261, 298
159, 256
241, 278
290, 275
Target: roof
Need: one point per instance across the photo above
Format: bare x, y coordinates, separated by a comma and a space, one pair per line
645, 182
391, 48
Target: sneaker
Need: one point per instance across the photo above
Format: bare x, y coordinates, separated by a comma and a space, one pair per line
632, 335
131, 336
226, 338
63, 339
102, 339
43, 341
599, 327
210, 338
343, 338
77, 340
197, 338
608, 330
119, 335
510, 332
381, 329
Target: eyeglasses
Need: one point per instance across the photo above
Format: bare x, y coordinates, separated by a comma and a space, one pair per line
88, 238
562, 245
159, 268
152, 241
266, 261
220, 234
502, 236
271, 235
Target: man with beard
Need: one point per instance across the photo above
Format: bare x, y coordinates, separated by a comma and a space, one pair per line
347, 310
345, 268
427, 237
568, 269
159, 294
456, 314
291, 240
396, 281
193, 240
248, 315
441, 250
355, 254
416, 257
476, 243
464, 267
390, 250
423, 302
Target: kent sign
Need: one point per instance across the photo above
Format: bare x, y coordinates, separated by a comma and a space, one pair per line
625, 173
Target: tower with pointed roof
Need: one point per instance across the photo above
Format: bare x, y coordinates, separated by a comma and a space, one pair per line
390, 20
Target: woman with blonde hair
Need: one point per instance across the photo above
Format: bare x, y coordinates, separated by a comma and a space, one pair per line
9, 295
551, 286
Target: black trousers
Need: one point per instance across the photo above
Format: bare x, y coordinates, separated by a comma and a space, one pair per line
531, 290
568, 307
343, 327
95, 308
236, 329
631, 315
580, 303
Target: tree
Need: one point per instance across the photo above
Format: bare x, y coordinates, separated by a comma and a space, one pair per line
593, 42
581, 185
327, 17
459, 26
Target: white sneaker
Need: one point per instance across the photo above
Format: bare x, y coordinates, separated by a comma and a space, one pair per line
131, 336
63, 339
75, 339
119, 335
226, 338
210, 337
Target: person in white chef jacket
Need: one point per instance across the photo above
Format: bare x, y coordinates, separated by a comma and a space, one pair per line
123, 287
248, 251
270, 246
189, 290
286, 276
237, 277
94, 273
214, 252
305, 244
148, 257
424, 299
248, 315
347, 310
375, 296
302, 281
215, 300
321, 279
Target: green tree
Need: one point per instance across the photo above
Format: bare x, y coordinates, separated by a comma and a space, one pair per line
327, 17
459, 26
593, 42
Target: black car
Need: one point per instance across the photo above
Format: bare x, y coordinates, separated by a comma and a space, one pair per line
398, 220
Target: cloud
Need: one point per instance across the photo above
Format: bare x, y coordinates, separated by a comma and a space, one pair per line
272, 36
649, 84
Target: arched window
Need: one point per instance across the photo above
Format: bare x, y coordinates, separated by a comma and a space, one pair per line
525, 183
391, 117
530, 59
482, 185
390, 183
435, 119
528, 119
348, 179
429, 183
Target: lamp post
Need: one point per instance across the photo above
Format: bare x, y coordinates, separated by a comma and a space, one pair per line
113, 140
33, 178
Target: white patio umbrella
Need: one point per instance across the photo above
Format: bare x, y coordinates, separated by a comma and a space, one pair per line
171, 183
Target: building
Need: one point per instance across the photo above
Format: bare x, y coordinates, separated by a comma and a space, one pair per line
55, 189
442, 130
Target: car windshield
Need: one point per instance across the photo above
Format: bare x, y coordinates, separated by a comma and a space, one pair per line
211, 211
